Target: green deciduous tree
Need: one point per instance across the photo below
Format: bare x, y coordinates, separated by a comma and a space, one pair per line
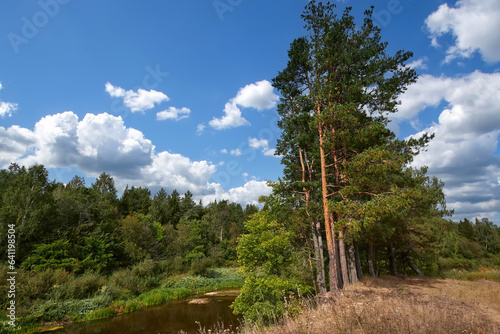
487, 236
28, 203
268, 245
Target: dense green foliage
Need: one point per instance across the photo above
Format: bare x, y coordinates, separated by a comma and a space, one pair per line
78, 248
268, 256
80, 229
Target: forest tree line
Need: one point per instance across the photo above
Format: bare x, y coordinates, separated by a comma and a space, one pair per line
82, 228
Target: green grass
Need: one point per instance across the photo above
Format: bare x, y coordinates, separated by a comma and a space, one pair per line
218, 279
99, 314
160, 296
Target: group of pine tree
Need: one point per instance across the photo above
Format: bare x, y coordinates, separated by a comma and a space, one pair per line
349, 204
349, 201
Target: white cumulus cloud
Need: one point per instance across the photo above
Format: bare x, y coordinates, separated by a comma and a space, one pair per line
6, 108
419, 63
95, 144
249, 193
137, 101
464, 152
474, 25
200, 128
261, 143
173, 113
232, 118
174, 171
259, 95
236, 152
15, 142
102, 143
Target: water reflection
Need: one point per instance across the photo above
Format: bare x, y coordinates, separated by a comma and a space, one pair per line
165, 319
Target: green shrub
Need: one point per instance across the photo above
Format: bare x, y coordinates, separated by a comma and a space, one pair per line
137, 280
263, 300
49, 311
126, 295
53, 256
470, 249
178, 265
96, 254
145, 268
79, 287
200, 267
457, 263
157, 296
39, 285
123, 280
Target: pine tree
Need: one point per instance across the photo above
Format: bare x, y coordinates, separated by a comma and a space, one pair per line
341, 82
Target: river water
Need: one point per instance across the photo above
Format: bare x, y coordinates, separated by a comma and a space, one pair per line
165, 319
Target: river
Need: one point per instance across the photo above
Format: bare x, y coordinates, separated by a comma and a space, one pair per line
165, 319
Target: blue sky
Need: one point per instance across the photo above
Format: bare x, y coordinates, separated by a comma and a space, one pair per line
176, 94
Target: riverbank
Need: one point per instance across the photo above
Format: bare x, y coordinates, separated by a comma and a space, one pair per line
49, 314
398, 305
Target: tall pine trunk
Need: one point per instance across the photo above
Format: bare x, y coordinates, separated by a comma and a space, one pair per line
392, 260
315, 230
342, 257
351, 263
358, 260
319, 259
330, 236
371, 259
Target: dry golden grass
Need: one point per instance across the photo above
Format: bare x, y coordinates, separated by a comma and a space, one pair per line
397, 305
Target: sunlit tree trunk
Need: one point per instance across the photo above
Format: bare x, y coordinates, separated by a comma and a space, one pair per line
315, 229
330, 236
